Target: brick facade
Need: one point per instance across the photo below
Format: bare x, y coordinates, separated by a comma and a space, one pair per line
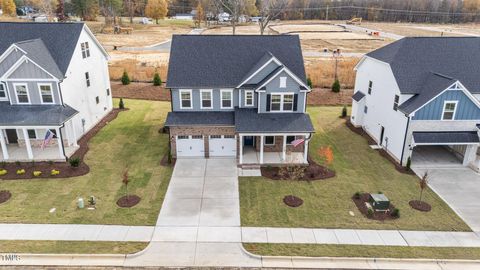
204, 131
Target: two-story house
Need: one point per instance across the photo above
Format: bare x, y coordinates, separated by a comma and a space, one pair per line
239, 96
54, 87
419, 99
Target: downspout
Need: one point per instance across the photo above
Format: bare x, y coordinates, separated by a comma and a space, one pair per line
404, 140
60, 92
61, 141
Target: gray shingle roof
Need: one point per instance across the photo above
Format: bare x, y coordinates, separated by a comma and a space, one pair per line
223, 61
446, 137
38, 52
200, 119
248, 120
34, 115
412, 58
358, 96
434, 84
59, 38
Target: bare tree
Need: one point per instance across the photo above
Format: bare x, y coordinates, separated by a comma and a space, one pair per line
268, 10
236, 8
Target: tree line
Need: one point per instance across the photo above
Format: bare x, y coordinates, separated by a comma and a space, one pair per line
430, 11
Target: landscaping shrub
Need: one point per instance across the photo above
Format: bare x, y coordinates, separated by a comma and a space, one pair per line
54, 172
409, 164
369, 212
395, 213
17, 163
169, 157
336, 86
344, 111
20, 171
357, 195
157, 81
37, 173
125, 78
3, 172
74, 162
3, 164
309, 82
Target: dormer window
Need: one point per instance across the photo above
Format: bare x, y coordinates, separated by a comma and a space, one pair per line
85, 49
46, 93
283, 82
449, 109
281, 102
21, 91
248, 98
3, 91
227, 99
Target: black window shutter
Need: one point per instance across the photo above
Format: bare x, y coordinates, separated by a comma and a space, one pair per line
268, 102
295, 100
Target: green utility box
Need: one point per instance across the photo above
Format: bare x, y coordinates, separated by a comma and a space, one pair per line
379, 202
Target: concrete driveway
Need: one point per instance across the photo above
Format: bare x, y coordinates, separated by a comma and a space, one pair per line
460, 188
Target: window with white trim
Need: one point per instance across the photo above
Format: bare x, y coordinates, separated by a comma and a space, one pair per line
449, 110
85, 49
248, 98
269, 140
395, 102
87, 78
370, 86
32, 134
185, 99
21, 91
3, 91
215, 136
108, 91
46, 93
227, 96
365, 109
283, 82
206, 96
229, 136
281, 102
290, 139
197, 137
182, 137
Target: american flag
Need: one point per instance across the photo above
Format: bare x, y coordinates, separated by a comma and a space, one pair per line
296, 143
48, 137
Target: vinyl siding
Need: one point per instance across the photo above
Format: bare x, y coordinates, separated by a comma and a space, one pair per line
263, 73
465, 110
28, 70
274, 87
33, 91
9, 61
196, 100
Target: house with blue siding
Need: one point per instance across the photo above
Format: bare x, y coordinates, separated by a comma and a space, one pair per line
419, 99
242, 97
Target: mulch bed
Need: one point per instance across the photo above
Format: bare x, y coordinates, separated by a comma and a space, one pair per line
164, 161
360, 203
64, 168
292, 201
420, 205
5, 195
140, 90
128, 201
382, 152
313, 172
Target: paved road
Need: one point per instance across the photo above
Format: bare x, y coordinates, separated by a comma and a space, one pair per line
160, 47
460, 189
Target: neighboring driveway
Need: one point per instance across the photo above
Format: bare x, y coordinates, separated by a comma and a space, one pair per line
460, 188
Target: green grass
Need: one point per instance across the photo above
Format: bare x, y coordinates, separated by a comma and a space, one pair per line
327, 202
131, 141
71, 247
312, 250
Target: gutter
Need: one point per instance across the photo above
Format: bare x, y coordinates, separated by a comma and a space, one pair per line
404, 140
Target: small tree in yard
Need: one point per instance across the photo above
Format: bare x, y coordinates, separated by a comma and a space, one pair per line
326, 153
156, 9
423, 184
336, 86
125, 181
157, 81
409, 164
309, 82
121, 105
125, 78
344, 111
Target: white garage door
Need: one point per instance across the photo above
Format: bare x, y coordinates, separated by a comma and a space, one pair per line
190, 146
222, 146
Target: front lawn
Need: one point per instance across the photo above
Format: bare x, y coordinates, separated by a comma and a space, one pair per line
131, 141
71, 247
327, 202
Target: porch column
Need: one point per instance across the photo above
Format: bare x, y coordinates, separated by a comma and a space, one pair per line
73, 135
27, 143
305, 151
284, 153
261, 148
470, 154
241, 149
59, 142
4, 145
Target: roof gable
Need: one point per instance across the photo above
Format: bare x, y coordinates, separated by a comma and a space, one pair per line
59, 38
224, 61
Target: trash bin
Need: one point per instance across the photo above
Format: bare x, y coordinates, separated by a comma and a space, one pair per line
80, 203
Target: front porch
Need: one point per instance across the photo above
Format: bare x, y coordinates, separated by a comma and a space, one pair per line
251, 156
18, 153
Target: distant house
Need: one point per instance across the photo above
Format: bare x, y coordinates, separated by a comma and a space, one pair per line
223, 17
242, 97
419, 98
184, 16
54, 85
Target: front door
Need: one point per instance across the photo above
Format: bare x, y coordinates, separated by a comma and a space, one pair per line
248, 140
382, 132
12, 135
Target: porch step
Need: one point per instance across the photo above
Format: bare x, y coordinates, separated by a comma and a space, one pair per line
250, 166
249, 172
